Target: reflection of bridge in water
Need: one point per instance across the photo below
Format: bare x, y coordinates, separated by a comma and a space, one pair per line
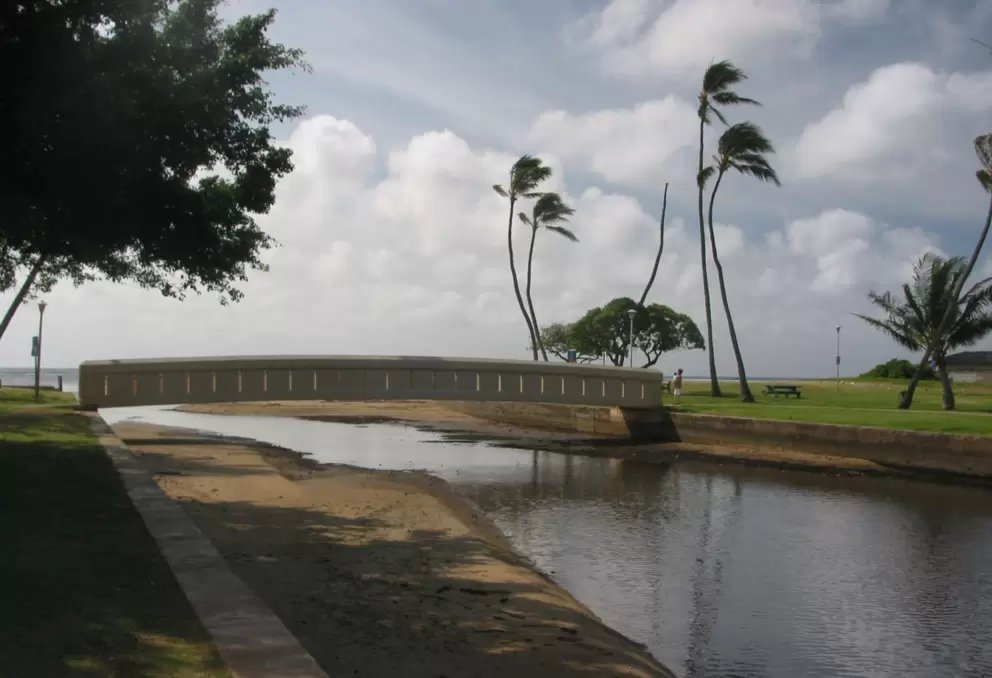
176, 381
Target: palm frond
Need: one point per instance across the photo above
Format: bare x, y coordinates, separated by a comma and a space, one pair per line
761, 171
744, 138
716, 111
500, 190
527, 174
985, 179
524, 218
704, 176
983, 149
721, 76
564, 232
918, 321
983, 288
733, 99
741, 147
897, 332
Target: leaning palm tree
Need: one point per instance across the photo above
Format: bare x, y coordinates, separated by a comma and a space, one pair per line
549, 213
742, 148
526, 175
983, 148
918, 322
717, 81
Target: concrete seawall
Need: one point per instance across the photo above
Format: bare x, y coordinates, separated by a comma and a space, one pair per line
910, 451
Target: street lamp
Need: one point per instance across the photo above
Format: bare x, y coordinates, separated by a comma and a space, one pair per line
631, 312
37, 357
838, 358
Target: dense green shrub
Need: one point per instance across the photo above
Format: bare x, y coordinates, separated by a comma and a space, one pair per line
897, 369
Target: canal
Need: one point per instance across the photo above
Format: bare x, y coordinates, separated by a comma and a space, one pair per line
720, 570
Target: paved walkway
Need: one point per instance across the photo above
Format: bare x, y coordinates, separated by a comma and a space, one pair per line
250, 638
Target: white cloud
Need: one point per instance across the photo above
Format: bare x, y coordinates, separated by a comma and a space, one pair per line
857, 10
904, 122
415, 262
633, 145
677, 38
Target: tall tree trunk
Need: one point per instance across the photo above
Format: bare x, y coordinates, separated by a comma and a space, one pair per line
21, 294
661, 247
530, 301
714, 382
907, 399
947, 388
746, 394
516, 281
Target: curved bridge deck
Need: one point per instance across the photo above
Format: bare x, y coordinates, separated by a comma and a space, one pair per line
177, 381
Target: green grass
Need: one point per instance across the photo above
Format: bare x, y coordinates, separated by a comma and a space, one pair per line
84, 590
859, 402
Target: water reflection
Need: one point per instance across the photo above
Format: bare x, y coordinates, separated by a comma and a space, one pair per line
720, 570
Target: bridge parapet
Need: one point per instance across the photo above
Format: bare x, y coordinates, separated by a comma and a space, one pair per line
178, 381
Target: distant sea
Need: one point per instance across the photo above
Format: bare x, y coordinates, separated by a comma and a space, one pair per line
24, 376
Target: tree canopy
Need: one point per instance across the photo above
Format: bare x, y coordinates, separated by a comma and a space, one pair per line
139, 144
897, 368
605, 330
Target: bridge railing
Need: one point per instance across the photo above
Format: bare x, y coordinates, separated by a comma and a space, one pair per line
176, 381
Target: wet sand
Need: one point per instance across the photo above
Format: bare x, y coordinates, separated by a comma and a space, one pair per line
379, 573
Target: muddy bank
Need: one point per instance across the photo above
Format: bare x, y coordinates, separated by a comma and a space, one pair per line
380, 573
454, 421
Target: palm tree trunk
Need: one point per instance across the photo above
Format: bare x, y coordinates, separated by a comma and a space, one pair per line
947, 387
907, 399
530, 301
21, 294
714, 382
661, 248
746, 395
516, 281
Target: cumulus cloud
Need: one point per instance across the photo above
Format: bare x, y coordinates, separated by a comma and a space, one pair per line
675, 38
411, 258
904, 121
631, 145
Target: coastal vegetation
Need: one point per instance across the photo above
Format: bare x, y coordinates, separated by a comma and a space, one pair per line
934, 314
604, 333
897, 368
140, 148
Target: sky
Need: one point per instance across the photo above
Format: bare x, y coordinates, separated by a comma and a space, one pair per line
392, 241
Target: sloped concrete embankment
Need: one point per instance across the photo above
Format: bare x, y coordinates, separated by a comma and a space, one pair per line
793, 443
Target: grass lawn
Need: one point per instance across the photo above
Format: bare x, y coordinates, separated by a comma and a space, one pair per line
858, 403
84, 590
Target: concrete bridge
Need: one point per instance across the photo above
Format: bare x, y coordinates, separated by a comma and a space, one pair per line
178, 381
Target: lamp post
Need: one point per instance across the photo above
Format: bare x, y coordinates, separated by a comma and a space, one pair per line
37, 358
631, 312
838, 358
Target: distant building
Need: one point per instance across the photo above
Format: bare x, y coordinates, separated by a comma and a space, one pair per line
971, 367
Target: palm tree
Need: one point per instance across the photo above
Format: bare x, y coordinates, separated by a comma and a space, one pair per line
661, 247
717, 81
918, 322
983, 148
549, 213
741, 148
526, 175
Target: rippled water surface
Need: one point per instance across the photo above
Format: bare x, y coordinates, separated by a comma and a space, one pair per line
720, 570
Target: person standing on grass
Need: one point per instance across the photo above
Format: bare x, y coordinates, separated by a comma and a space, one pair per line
677, 387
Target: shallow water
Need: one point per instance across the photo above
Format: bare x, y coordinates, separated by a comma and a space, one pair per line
720, 570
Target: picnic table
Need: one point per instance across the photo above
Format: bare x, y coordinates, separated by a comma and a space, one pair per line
783, 389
